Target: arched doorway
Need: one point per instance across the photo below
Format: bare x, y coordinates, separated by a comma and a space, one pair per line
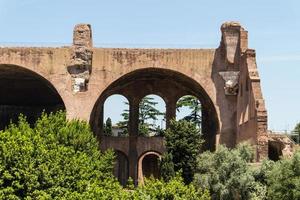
26, 92
121, 168
149, 165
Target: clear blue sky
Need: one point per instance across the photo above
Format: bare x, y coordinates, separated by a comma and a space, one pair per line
273, 25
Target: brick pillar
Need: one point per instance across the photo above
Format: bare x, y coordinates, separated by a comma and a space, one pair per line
133, 136
262, 131
170, 111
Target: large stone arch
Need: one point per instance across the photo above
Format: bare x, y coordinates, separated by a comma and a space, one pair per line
168, 84
27, 92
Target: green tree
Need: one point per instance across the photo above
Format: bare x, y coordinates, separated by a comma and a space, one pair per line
194, 105
148, 112
296, 133
56, 159
227, 174
297, 128
108, 127
124, 123
167, 167
184, 142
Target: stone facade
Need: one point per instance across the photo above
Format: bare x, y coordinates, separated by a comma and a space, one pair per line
80, 78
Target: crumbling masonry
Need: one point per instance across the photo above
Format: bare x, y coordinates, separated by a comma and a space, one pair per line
79, 78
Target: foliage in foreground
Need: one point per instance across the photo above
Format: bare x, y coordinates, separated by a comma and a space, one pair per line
227, 174
60, 159
283, 178
173, 189
56, 159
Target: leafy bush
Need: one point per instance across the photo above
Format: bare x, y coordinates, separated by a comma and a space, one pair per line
183, 142
56, 159
227, 174
174, 189
283, 179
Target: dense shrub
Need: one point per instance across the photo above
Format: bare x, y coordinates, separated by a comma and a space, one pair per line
56, 159
183, 142
167, 167
174, 189
227, 174
283, 179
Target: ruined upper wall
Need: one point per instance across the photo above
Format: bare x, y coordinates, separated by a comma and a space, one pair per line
81, 73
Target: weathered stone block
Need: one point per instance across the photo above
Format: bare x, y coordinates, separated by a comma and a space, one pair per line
80, 65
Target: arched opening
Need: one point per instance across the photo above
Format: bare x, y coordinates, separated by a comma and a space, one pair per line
152, 116
26, 92
189, 108
121, 168
149, 165
275, 150
116, 116
168, 84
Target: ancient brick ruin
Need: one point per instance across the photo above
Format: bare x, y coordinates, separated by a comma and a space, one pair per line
80, 77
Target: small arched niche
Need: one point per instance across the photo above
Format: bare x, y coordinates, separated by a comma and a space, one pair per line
189, 108
115, 116
152, 116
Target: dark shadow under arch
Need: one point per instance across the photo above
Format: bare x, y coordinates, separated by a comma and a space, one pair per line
121, 168
274, 150
24, 91
150, 166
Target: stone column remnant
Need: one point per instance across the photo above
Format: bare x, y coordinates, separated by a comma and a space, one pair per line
81, 57
231, 37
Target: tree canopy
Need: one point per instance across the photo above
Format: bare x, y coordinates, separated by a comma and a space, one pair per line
183, 142
194, 106
227, 174
147, 113
56, 159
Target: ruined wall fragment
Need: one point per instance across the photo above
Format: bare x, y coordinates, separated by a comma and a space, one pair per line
81, 57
